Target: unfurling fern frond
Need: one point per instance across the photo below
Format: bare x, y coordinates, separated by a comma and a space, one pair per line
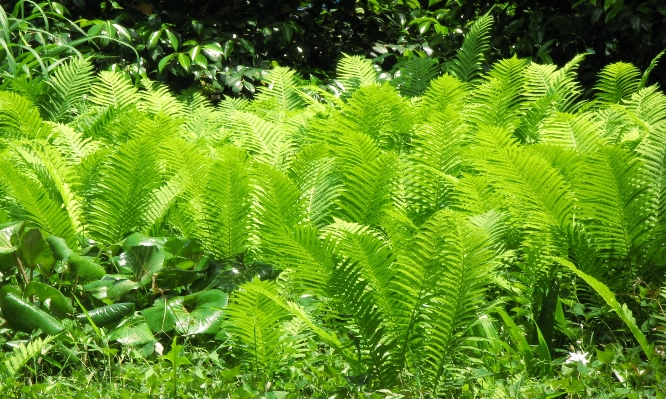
413, 76
112, 89
469, 58
616, 82
24, 353
71, 84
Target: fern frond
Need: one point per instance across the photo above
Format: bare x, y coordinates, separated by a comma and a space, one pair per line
443, 92
497, 99
576, 132
413, 76
649, 104
368, 177
281, 90
611, 189
469, 58
652, 151
157, 98
353, 72
565, 84
538, 189
125, 190
19, 119
314, 171
24, 353
255, 323
616, 82
72, 144
113, 89
653, 64
261, 138
435, 160
439, 290
70, 83
34, 202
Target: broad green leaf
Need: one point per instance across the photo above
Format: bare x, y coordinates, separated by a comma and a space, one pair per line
143, 255
184, 61
84, 268
35, 251
154, 38
172, 38
25, 317
133, 333
59, 305
164, 61
108, 314
120, 288
205, 318
6, 233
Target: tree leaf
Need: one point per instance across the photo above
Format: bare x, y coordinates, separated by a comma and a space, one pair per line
108, 314
22, 316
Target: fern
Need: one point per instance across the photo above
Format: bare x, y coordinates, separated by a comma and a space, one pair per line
70, 84
354, 72
19, 119
281, 89
413, 76
112, 89
616, 82
127, 186
24, 353
469, 58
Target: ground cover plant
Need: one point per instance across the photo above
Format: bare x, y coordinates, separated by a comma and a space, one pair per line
465, 234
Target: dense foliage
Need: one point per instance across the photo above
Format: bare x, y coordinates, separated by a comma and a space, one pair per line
457, 234
225, 46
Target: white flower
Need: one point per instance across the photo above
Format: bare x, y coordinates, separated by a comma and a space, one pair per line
577, 357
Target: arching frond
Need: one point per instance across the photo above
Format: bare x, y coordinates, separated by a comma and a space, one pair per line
469, 58
113, 89
354, 71
261, 138
70, 83
572, 131
19, 119
72, 144
281, 90
498, 98
444, 92
616, 82
368, 176
413, 76
157, 98
128, 180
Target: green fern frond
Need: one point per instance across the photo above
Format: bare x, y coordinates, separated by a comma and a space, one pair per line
468, 62
72, 144
353, 72
34, 202
497, 100
379, 112
576, 132
646, 74
255, 322
263, 139
611, 189
157, 98
314, 171
565, 85
443, 277
413, 76
368, 177
652, 151
24, 353
616, 82
56, 175
126, 188
537, 188
435, 160
536, 113
220, 202
443, 92
281, 90
649, 104
113, 89
71, 84
19, 119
